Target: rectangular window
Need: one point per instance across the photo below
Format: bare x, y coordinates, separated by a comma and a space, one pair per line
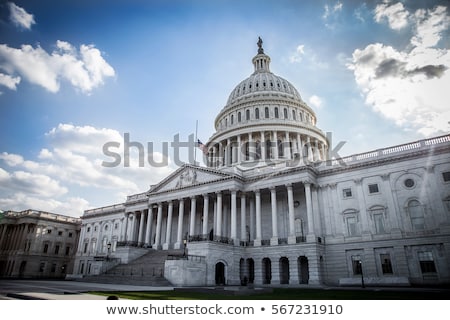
49, 231
46, 248
116, 226
352, 226
347, 193
427, 262
378, 219
356, 265
60, 233
386, 265
67, 251
373, 188
70, 234
57, 249
446, 176
53, 269
85, 247
42, 267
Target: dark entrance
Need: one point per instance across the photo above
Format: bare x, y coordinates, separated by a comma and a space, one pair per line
220, 274
23, 264
303, 268
267, 270
284, 270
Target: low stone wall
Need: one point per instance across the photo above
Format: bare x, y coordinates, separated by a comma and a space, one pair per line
184, 272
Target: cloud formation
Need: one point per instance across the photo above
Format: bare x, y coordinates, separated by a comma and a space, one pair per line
408, 86
72, 161
85, 69
395, 14
20, 17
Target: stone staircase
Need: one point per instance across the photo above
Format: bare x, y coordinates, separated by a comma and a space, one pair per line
147, 270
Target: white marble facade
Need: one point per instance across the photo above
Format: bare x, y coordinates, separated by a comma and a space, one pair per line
271, 208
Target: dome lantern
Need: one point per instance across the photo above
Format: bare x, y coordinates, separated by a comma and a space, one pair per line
261, 61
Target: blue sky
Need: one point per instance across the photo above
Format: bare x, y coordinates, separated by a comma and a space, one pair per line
77, 74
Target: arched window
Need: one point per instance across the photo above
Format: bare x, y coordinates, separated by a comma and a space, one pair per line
232, 119
416, 214
285, 113
276, 113
266, 112
247, 115
294, 116
239, 117
256, 113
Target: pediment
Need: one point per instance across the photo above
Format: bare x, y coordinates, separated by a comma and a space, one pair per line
188, 176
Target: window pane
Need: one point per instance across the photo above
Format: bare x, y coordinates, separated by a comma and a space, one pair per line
386, 265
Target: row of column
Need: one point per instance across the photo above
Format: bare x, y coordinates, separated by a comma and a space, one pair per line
262, 146
144, 228
12, 236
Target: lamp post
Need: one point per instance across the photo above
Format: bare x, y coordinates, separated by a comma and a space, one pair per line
109, 249
184, 247
362, 274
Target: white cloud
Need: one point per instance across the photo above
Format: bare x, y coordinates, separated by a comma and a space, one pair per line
85, 69
330, 10
72, 164
315, 101
396, 14
20, 17
8, 81
297, 56
409, 87
430, 24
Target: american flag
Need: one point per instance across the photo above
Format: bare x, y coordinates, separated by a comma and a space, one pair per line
202, 146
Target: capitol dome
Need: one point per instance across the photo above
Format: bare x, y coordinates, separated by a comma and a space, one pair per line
265, 119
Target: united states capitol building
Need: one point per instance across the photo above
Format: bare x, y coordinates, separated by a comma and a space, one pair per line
271, 208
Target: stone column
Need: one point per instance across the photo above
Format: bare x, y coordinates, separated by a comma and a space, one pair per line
158, 226
251, 209
169, 226
263, 146
193, 214
275, 145
141, 228
220, 162
251, 148
239, 149
291, 213
273, 202
258, 218
234, 218
228, 153
205, 214
394, 223
365, 231
243, 218
133, 227
180, 224
287, 148
300, 146
310, 152
123, 234
309, 212
149, 226
219, 214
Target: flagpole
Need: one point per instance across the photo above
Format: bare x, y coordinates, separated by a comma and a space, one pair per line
196, 142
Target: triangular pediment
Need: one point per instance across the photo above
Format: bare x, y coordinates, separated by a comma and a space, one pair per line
188, 176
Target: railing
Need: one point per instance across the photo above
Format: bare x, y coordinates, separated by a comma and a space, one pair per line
225, 240
190, 257
112, 208
128, 244
417, 145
